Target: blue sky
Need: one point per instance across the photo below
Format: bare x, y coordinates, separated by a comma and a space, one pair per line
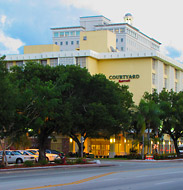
28, 22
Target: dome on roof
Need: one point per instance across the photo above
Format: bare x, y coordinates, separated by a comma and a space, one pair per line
128, 18
128, 14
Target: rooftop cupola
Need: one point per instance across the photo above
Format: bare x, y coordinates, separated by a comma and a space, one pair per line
128, 18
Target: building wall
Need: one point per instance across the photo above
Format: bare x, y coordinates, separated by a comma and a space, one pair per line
141, 67
41, 48
103, 41
92, 65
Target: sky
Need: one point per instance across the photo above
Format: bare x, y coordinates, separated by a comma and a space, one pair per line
28, 22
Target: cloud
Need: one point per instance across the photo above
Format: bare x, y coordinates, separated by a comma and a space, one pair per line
173, 52
3, 19
8, 45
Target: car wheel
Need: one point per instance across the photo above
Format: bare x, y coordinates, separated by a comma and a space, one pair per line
19, 161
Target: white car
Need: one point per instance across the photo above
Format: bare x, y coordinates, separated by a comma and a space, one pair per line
16, 157
26, 152
49, 157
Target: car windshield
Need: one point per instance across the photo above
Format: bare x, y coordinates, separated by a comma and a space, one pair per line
32, 153
16, 153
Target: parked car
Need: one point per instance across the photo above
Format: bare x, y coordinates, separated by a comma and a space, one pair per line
26, 152
49, 157
61, 154
16, 157
180, 147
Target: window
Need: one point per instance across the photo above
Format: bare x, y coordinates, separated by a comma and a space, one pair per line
55, 34
66, 43
122, 49
81, 61
9, 65
165, 69
77, 33
84, 37
165, 83
43, 62
72, 33
121, 39
116, 40
176, 87
61, 34
176, 74
154, 64
66, 60
72, 42
77, 42
53, 62
116, 30
19, 63
66, 33
61, 43
153, 78
56, 43
122, 30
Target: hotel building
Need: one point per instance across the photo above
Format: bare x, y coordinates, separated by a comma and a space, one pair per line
142, 70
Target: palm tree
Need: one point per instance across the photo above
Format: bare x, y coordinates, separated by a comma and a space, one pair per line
149, 117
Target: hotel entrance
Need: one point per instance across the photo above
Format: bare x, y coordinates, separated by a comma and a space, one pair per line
100, 147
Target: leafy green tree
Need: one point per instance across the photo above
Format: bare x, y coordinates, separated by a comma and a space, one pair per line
8, 103
41, 90
149, 117
95, 106
171, 103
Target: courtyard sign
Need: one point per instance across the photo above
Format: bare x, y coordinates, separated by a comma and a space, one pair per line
124, 78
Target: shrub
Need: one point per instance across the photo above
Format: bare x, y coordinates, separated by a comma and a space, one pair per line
2, 166
134, 156
58, 161
164, 156
28, 163
42, 162
80, 161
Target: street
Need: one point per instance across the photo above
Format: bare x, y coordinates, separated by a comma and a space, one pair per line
123, 176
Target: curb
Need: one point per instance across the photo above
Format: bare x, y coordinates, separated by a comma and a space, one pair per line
59, 166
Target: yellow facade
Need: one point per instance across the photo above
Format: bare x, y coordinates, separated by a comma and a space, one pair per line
123, 70
41, 48
99, 41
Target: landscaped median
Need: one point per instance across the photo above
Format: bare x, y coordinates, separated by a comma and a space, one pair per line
65, 162
154, 156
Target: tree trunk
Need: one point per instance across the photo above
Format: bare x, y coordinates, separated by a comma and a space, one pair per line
42, 148
176, 147
4, 158
74, 137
